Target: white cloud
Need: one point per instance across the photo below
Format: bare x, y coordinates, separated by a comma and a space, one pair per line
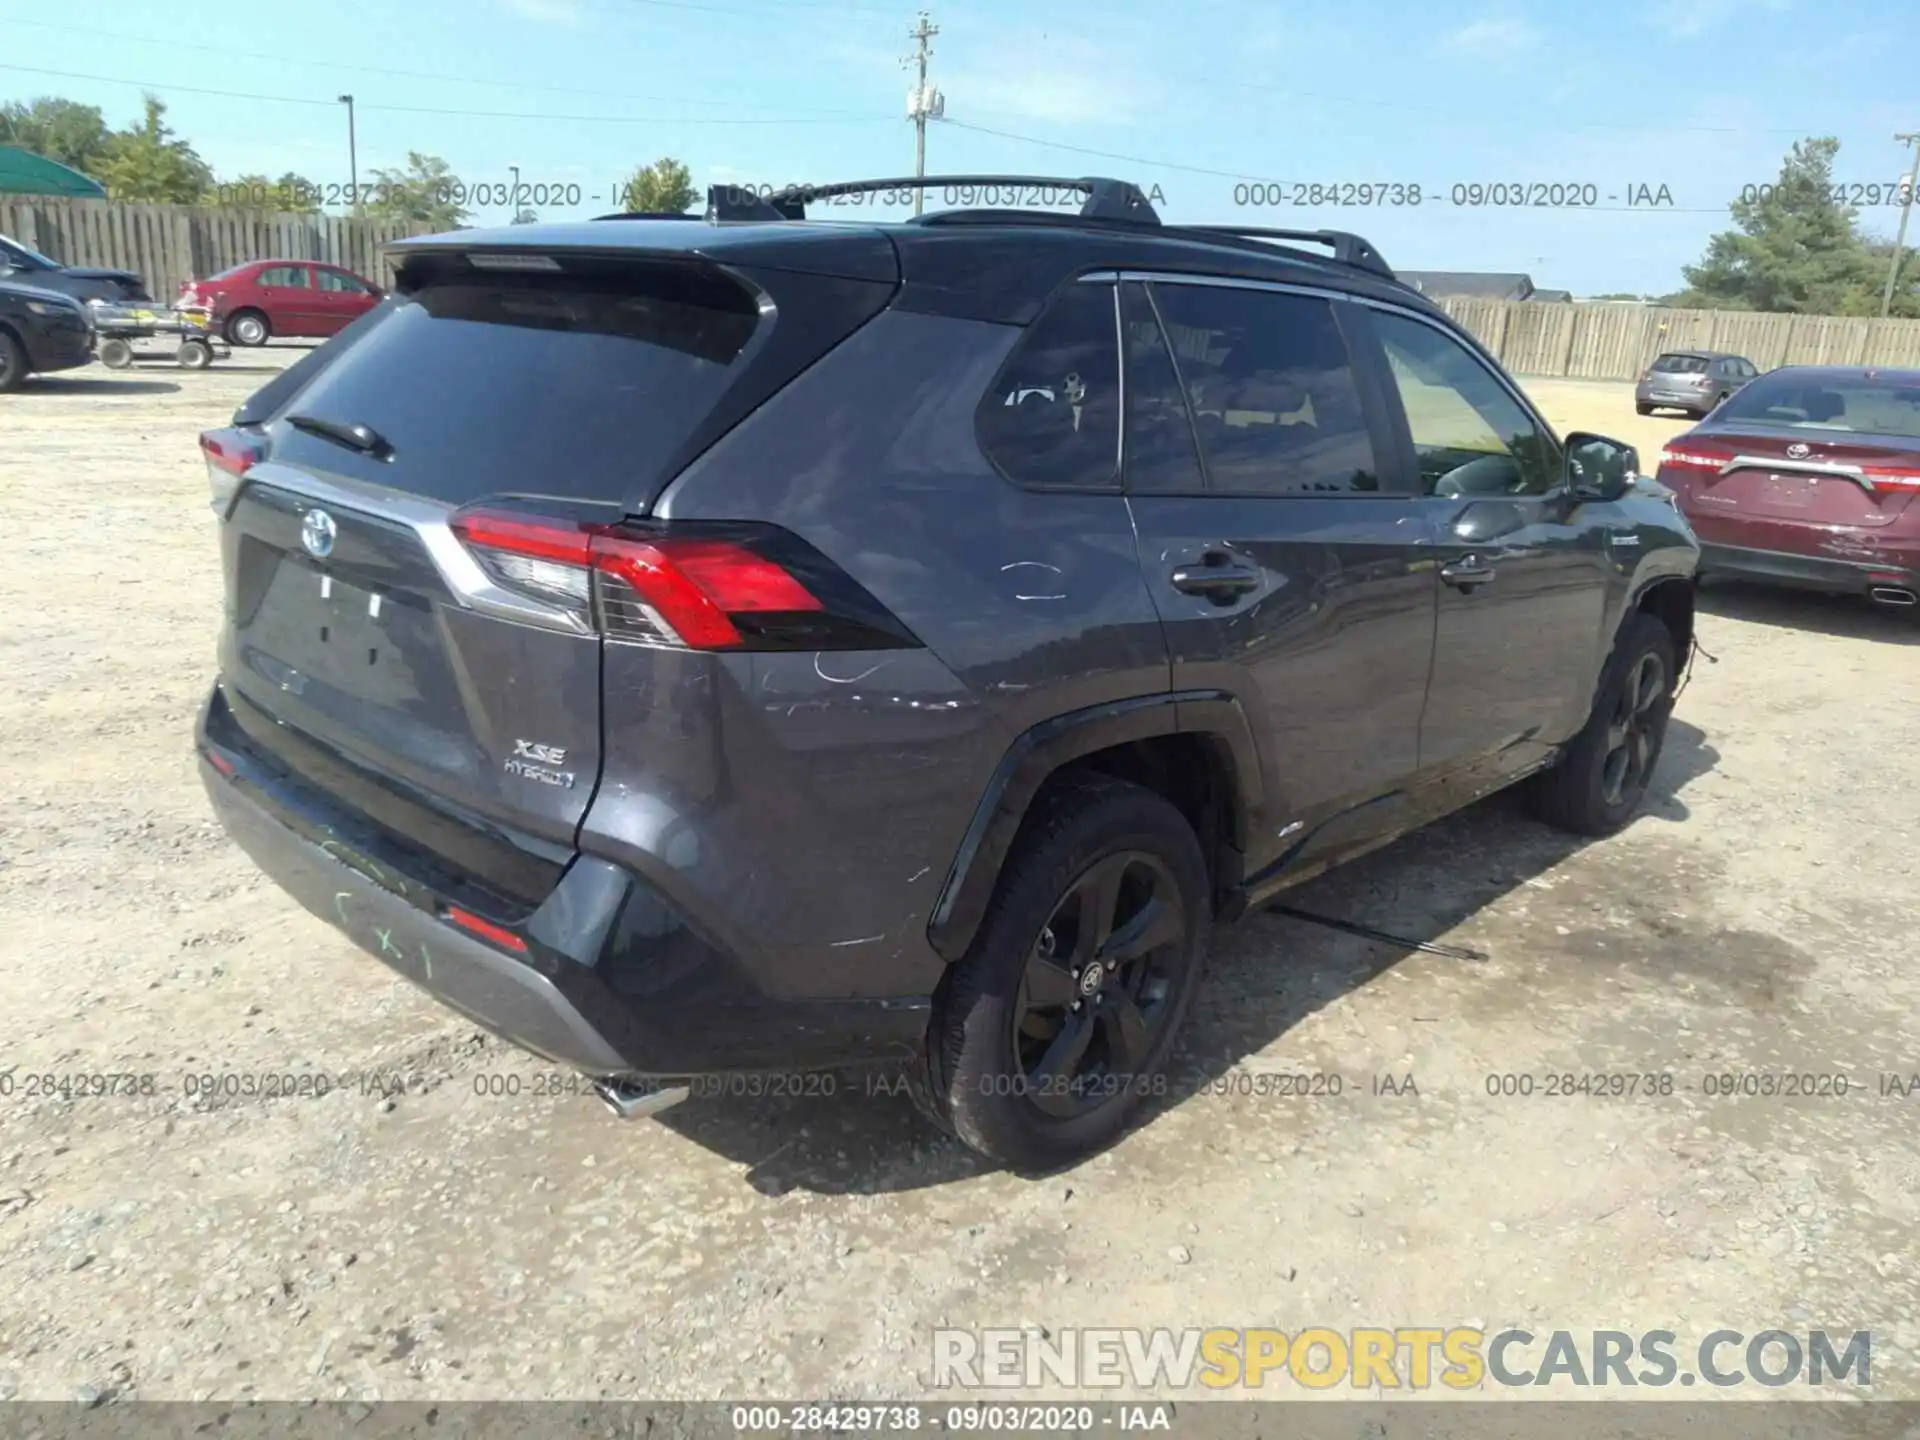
1046, 77
1684, 21
1493, 39
546, 12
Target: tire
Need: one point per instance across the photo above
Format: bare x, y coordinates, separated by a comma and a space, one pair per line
195, 354
1640, 409
248, 327
1602, 776
1096, 845
13, 362
115, 354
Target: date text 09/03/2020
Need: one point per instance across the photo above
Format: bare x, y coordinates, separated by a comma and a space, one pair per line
1470, 194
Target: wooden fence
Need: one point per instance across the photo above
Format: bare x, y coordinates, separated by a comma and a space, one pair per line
1615, 342
171, 244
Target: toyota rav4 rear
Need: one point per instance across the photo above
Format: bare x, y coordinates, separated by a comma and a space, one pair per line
450, 583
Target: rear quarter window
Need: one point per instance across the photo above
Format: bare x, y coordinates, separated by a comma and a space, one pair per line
1051, 418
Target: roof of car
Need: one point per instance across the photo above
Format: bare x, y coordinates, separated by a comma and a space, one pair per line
988, 265
1702, 354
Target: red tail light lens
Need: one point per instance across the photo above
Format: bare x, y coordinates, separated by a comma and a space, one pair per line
230, 451
229, 455
486, 930
1892, 477
693, 590
1705, 461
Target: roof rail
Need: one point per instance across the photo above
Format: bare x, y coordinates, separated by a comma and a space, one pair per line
1106, 199
1348, 248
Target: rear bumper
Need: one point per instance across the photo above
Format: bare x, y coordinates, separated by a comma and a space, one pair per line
1814, 572
613, 981
1671, 399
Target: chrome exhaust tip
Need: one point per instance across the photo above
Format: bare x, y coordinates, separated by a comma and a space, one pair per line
637, 1099
1892, 595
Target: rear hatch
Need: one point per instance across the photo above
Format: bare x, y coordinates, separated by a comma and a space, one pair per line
1683, 375
374, 642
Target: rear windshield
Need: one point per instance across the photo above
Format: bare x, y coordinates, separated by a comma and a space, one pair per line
579, 385
1829, 403
1682, 364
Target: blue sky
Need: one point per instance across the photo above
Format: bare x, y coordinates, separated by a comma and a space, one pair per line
1699, 96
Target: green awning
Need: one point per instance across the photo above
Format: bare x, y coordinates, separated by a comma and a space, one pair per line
22, 173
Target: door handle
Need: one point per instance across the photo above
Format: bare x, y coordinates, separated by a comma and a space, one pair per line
1222, 583
1467, 572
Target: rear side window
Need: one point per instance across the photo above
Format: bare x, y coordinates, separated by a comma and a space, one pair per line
293, 276
1051, 418
1271, 389
580, 384
1681, 365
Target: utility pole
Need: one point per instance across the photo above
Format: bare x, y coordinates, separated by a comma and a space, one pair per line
1906, 206
353, 157
923, 103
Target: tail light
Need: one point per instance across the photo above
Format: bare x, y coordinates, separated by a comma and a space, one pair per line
683, 587
1892, 477
1703, 461
229, 455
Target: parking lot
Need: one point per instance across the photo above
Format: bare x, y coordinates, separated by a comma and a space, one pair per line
436, 1225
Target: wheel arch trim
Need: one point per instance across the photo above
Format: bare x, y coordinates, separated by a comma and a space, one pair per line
1035, 755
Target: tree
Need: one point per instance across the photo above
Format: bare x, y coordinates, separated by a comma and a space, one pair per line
291, 194
73, 134
1797, 249
665, 187
147, 161
426, 193
524, 216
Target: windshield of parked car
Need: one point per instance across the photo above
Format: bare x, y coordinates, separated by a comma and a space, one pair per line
1861, 404
14, 251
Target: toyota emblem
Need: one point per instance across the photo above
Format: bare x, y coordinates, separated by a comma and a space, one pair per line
317, 533
1797, 451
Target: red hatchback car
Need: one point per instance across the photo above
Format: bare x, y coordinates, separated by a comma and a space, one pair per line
1807, 477
254, 302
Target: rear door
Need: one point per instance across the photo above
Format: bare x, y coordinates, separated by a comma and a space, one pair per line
287, 295
1287, 558
339, 298
1524, 570
363, 635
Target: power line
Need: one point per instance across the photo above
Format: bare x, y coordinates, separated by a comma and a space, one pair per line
848, 10
398, 74
1529, 121
168, 87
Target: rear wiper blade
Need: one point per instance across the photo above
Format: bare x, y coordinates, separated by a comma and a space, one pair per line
363, 438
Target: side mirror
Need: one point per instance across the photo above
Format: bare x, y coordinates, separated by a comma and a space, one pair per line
1599, 468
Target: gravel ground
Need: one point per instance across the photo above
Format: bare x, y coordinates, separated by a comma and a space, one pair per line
403, 1236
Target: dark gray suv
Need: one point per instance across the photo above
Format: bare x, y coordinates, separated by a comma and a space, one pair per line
754, 645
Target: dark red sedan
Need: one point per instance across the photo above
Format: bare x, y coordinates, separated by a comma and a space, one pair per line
256, 301
1807, 477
